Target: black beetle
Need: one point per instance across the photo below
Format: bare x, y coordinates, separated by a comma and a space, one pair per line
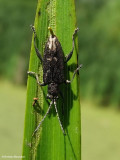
53, 70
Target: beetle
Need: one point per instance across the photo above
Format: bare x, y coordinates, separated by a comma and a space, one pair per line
53, 62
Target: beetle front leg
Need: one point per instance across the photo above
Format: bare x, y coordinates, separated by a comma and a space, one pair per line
36, 49
37, 78
68, 81
67, 58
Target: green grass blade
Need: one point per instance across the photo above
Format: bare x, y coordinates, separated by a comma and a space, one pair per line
49, 143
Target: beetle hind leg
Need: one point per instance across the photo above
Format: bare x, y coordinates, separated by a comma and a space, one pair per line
36, 49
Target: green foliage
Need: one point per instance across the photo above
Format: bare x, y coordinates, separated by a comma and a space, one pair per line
15, 17
12, 109
49, 143
98, 126
99, 23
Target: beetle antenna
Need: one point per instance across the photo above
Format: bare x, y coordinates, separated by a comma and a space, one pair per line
59, 118
42, 119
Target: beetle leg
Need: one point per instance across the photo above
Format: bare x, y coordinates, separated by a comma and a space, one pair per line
36, 49
68, 81
67, 58
37, 78
35, 101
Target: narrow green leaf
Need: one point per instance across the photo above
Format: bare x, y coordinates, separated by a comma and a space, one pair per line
49, 143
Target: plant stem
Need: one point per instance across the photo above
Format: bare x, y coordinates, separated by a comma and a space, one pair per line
49, 143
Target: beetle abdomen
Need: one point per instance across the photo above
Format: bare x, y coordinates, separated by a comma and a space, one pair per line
53, 62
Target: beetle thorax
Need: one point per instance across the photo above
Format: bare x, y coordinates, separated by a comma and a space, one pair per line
53, 89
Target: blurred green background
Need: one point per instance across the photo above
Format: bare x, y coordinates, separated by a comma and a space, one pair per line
99, 38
